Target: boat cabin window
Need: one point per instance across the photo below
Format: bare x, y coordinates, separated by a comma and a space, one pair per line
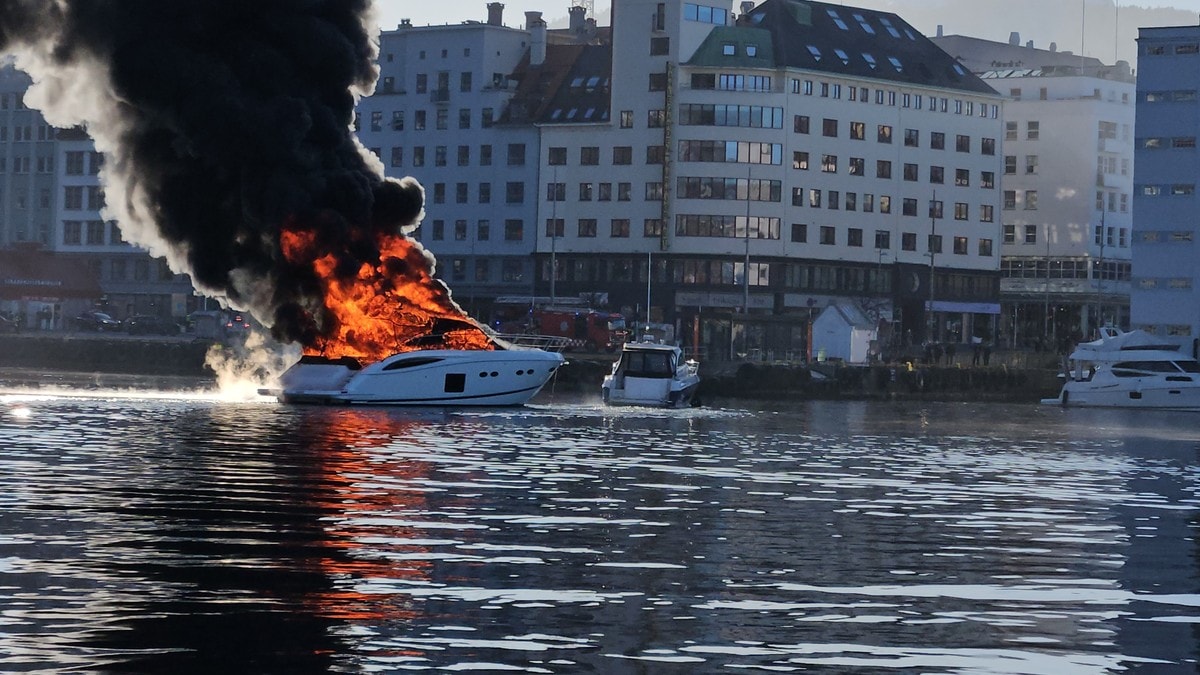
410, 363
1139, 368
648, 364
456, 383
1189, 366
616, 324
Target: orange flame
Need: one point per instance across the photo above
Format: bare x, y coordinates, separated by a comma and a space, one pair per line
386, 307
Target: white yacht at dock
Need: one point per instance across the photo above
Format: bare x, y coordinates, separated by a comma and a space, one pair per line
1130, 370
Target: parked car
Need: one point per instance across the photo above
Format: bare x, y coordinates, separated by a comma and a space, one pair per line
100, 322
149, 324
8, 325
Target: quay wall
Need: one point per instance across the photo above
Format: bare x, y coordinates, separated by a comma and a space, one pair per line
183, 356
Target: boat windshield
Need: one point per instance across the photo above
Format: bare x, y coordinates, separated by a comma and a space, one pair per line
616, 324
648, 364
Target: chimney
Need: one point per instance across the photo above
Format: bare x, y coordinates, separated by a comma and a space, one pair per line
537, 41
1053, 46
1014, 39
577, 13
405, 23
495, 13
939, 30
1029, 44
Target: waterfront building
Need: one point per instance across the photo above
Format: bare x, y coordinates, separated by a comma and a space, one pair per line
759, 165
1166, 277
1066, 187
58, 254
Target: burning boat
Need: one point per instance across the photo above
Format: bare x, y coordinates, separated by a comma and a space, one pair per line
506, 375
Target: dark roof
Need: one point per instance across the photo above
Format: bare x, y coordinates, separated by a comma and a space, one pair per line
840, 40
31, 274
572, 86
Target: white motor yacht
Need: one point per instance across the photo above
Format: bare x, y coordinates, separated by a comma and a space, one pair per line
652, 374
1130, 370
428, 377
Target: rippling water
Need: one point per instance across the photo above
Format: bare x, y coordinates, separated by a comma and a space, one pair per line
177, 532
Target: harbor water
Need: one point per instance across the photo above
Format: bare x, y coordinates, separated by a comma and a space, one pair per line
146, 530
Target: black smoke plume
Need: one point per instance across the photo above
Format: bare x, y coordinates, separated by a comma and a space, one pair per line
221, 122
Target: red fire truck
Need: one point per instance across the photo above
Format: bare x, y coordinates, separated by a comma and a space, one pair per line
586, 329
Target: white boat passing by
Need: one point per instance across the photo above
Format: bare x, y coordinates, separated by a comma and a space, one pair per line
428, 377
1130, 370
652, 374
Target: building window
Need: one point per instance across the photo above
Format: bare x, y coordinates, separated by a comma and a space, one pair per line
908, 240
910, 172
1010, 200
828, 235
799, 233
620, 228
660, 46
1033, 130
829, 127
987, 180
557, 156
937, 140
829, 163
800, 161
516, 154
986, 213
854, 237
1031, 198
858, 131
626, 118
961, 211
912, 138
962, 143
884, 133
1031, 164
960, 245
883, 240
856, 166
962, 177
883, 168
937, 175
622, 155
514, 192
1031, 234
987, 146
800, 124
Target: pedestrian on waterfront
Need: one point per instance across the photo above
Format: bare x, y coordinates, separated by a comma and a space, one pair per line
987, 353
950, 350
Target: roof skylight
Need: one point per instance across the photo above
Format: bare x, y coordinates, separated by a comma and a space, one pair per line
816, 53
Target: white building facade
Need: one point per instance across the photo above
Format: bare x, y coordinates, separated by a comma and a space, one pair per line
761, 163
1066, 188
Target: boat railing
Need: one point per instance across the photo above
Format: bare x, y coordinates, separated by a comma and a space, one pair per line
550, 343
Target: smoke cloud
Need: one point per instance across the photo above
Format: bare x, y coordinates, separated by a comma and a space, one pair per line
223, 122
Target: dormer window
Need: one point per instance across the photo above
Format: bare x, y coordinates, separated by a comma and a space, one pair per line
729, 49
751, 50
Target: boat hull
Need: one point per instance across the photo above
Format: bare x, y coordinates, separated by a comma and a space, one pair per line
678, 395
451, 378
1150, 397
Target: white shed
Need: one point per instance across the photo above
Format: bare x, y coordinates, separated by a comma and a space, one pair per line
843, 332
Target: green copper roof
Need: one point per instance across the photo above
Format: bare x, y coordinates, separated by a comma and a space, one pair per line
743, 41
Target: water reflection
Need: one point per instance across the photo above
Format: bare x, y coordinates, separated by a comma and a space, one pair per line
191, 535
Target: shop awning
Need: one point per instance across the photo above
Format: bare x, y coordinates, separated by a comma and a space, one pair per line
44, 275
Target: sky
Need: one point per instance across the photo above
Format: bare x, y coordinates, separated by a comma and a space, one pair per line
456, 11
1040, 21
